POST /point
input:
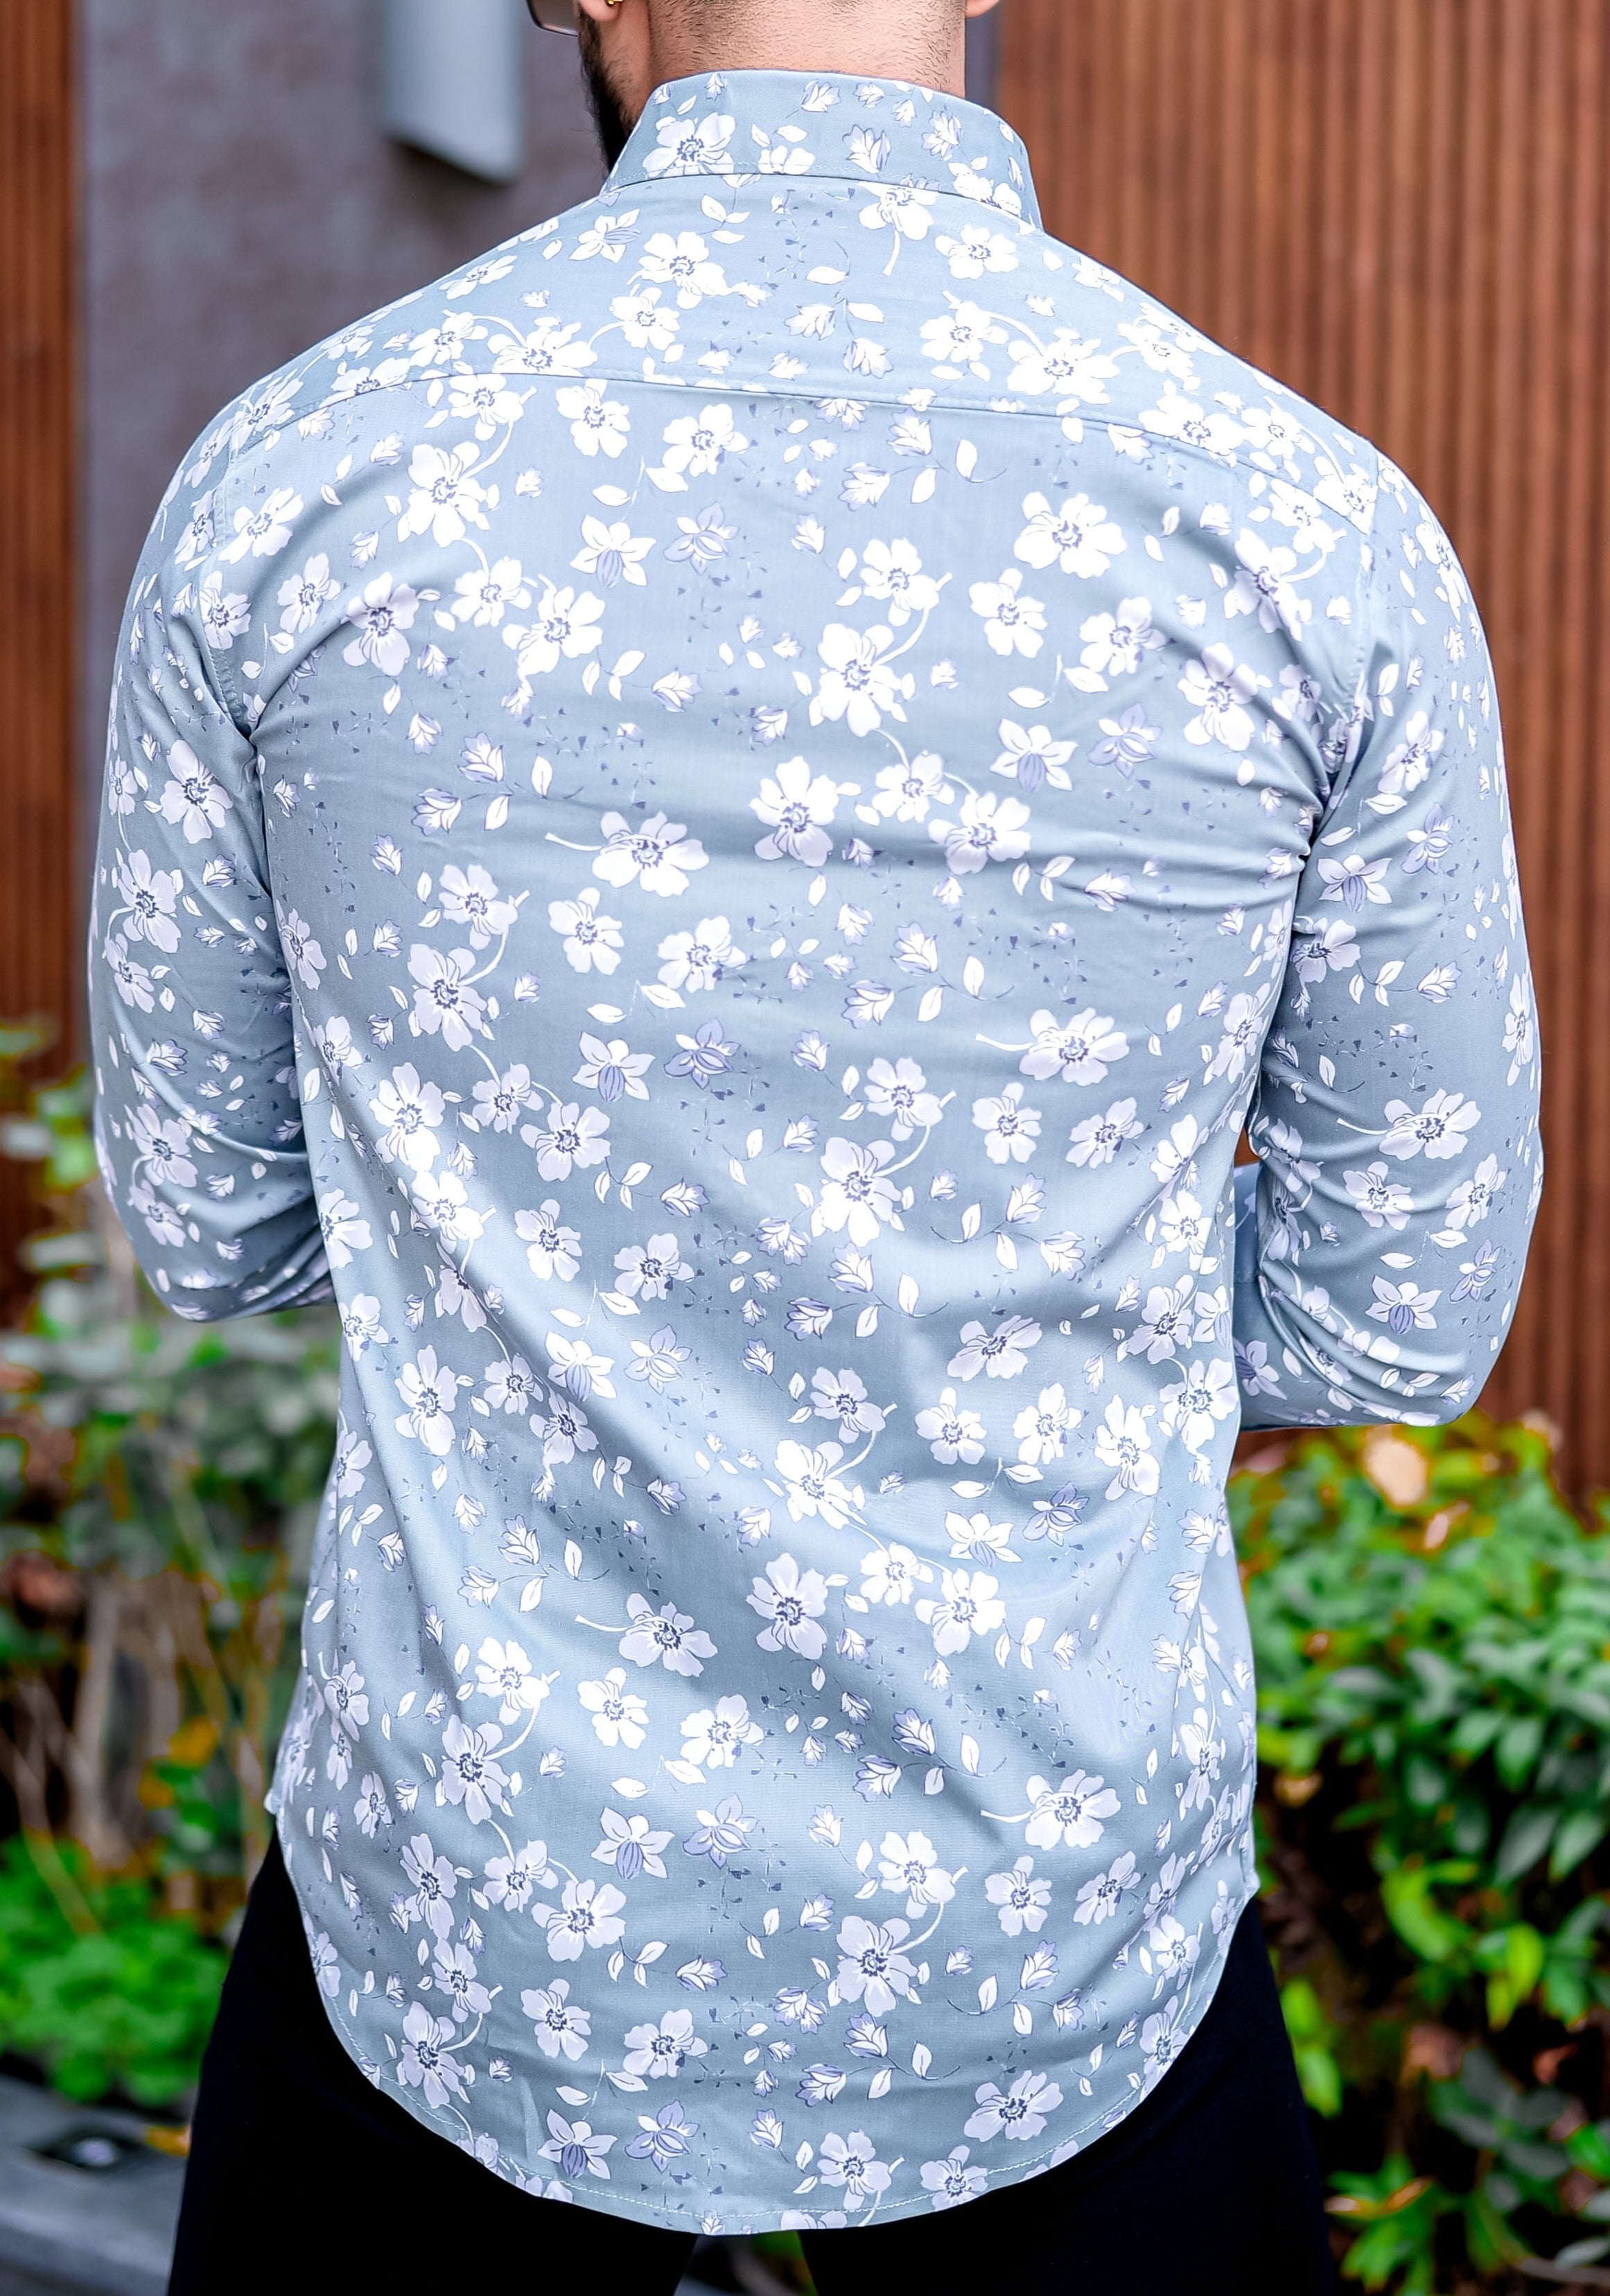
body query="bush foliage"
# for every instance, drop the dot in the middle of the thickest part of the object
(1432, 1623)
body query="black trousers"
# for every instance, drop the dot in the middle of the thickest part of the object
(301, 2173)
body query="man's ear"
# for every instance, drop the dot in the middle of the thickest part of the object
(604, 12)
(980, 8)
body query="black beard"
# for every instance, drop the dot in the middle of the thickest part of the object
(614, 129)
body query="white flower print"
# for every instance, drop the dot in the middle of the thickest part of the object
(443, 998)
(858, 683)
(873, 1969)
(445, 501)
(484, 596)
(1011, 1131)
(700, 959)
(1079, 1051)
(1022, 1899)
(472, 1776)
(906, 209)
(192, 799)
(991, 828)
(587, 1917)
(891, 574)
(562, 2029)
(858, 1198)
(655, 855)
(646, 1271)
(1218, 688)
(592, 942)
(966, 1605)
(892, 1574)
(906, 792)
(553, 1248)
(409, 1113)
(714, 1737)
(1098, 1139)
(851, 2164)
(429, 1392)
(682, 260)
(620, 1717)
(471, 899)
(1123, 1443)
(909, 1862)
(952, 2181)
(1116, 644)
(152, 896)
(1382, 1201)
(1439, 1126)
(505, 1673)
(424, 2062)
(1078, 537)
(660, 2051)
(566, 627)
(1264, 587)
(1019, 2114)
(952, 1431)
(1071, 1812)
(1042, 1428)
(697, 444)
(572, 1138)
(686, 147)
(263, 532)
(382, 615)
(796, 806)
(667, 1635)
(1013, 624)
(344, 1231)
(898, 1093)
(575, 2149)
(613, 553)
(791, 1602)
(1000, 1350)
(599, 425)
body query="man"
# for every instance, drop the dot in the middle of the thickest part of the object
(717, 824)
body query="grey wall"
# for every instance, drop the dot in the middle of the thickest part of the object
(239, 203)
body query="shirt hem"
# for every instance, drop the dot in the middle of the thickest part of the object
(719, 2211)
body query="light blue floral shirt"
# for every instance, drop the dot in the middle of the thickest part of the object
(717, 824)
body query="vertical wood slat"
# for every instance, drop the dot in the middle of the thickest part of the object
(38, 603)
(1402, 209)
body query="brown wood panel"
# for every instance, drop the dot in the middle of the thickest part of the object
(38, 424)
(1402, 209)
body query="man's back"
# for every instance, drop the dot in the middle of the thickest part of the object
(771, 765)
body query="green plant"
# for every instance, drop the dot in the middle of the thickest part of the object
(159, 1486)
(119, 1999)
(1432, 1624)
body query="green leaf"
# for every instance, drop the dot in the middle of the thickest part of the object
(1580, 1831)
(1590, 2151)
(1417, 1917)
(1526, 1838)
(1518, 1748)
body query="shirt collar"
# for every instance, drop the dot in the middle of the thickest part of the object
(827, 126)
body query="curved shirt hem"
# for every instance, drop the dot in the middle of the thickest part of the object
(717, 2217)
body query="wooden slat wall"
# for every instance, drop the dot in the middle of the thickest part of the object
(39, 602)
(1401, 208)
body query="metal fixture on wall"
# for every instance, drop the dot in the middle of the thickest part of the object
(453, 82)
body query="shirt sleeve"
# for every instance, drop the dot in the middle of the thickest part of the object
(1382, 1235)
(198, 1123)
